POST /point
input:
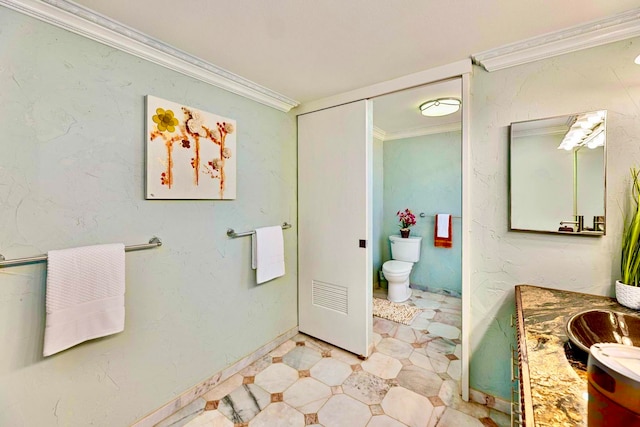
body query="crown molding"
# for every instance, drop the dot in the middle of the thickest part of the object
(87, 23)
(379, 133)
(427, 130)
(595, 33)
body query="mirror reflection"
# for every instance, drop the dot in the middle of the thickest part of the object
(557, 174)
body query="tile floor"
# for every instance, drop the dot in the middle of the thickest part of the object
(411, 379)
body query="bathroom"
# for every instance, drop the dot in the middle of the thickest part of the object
(71, 174)
(418, 165)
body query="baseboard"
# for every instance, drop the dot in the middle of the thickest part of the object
(490, 401)
(198, 390)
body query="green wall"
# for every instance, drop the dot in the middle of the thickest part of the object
(72, 174)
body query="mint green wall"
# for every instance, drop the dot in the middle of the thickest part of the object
(378, 203)
(424, 174)
(604, 77)
(72, 174)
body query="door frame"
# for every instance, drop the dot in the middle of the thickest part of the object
(461, 69)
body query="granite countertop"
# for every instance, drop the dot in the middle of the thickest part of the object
(558, 382)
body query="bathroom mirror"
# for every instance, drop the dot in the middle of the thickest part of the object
(557, 174)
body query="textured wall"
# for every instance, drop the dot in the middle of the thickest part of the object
(424, 174)
(72, 174)
(600, 78)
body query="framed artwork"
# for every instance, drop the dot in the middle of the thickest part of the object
(191, 154)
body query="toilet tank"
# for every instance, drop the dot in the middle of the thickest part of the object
(405, 249)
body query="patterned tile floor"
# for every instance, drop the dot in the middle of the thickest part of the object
(411, 379)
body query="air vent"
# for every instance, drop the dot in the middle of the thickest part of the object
(330, 296)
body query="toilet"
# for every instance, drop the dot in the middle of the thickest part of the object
(404, 252)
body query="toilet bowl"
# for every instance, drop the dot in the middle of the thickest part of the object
(404, 253)
(397, 274)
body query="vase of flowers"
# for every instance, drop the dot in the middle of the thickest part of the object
(627, 288)
(407, 219)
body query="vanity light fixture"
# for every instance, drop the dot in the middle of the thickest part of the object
(440, 107)
(587, 130)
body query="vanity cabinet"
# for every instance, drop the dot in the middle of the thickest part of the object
(548, 388)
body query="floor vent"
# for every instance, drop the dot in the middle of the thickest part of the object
(330, 296)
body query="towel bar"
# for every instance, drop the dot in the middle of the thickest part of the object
(232, 234)
(423, 215)
(153, 243)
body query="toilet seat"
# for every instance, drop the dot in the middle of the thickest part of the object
(397, 267)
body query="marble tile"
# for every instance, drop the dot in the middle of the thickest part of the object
(448, 319)
(307, 395)
(421, 381)
(395, 348)
(440, 345)
(365, 387)
(453, 418)
(331, 371)
(453, 301)
(445, 331)
(436, 415)
(244, 403)
(302, 357)
(427, 314)
(450, 395)
(278, 415)
(420, 360)
(455, 369)
(283, 349)
(345, 356)
(210, 419)
(427, 303)
(184, 415)
(458, 351)
(439, 362)
(376, 339)
(406, 334)
(384, 421)
(344, 411)
(383, 326)
(408, 407)
(256, 366)
(224, 388)
(420, 323)
(381, 365)
(276, 378)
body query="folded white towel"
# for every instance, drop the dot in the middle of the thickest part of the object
(443, 225)
(267, 253)
(85, 295)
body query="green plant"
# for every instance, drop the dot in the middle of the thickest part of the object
(630, 265)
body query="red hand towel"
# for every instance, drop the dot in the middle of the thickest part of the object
(442, 242)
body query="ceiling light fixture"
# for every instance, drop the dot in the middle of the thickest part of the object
(440, 107)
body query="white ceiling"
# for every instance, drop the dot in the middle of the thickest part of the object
(309, 50)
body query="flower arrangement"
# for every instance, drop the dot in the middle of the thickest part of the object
(407, 219)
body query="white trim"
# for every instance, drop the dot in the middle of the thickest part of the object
(428, 130)
(552, 130)
(595, 33)
(432, 75)
(467, 173)
(85, 22)
(379, 133)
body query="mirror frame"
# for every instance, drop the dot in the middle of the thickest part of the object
(587, 233)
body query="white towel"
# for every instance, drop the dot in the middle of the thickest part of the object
(443, 225)
(85, 295)
(267, 253)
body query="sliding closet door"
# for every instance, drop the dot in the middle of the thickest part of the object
(334, 225)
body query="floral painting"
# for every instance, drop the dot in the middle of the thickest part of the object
(191, 154)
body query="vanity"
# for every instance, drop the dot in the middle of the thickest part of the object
(549, 379)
